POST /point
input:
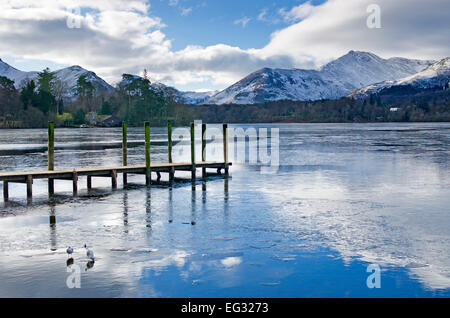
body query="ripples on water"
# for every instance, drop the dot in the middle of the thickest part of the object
(344, 196)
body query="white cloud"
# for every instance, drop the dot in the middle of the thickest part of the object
(186, 11)
(410, 28)
(299, 12)
(243, 21)
(119, 36)
(262, 15)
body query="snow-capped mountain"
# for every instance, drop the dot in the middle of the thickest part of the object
(436, 75)
(197, 97)
(334, 80)
(69, 76)
(14, 74)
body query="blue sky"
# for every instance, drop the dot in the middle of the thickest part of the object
(210, 44)
(206, 22)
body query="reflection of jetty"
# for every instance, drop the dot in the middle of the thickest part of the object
(112, 172)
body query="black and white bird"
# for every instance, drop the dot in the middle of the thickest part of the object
(89, 253)
(69, 251)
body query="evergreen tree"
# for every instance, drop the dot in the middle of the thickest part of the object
(28, 95)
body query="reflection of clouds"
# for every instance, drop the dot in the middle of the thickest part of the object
(231, 261)
(394, 217)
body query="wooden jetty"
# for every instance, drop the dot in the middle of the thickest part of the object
(112, 172)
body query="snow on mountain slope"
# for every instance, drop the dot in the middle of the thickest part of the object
(332, 81)
(436, 75)
(197, 97)
(19, 77)
(69, 76)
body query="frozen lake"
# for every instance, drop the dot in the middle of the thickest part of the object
(343, 197)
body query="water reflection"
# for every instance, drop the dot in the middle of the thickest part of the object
(148, 211)
(52, 221)
(125, 211)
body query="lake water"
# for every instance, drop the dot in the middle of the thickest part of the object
(343, 197)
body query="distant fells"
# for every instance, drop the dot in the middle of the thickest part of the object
(336, 79)
(356, 74)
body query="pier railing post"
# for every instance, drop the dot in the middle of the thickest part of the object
(193, 150)
(203, 149)
(51, 156)
(5, 191)
(225, 147)
(148, 179)
(124, 151)
(169, 146)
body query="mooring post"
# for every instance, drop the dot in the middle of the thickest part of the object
(75, 182)
(203, 149)
(5, 191)
(89, 182)
(124, 151)
(114, 179)
(51, 156)
(169, 143)
(148, 175)
(29, 182)
(225, 147)
(193, 151)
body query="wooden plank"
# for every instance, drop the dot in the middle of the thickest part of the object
(20, 177)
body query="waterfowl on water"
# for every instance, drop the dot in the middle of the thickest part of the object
(69, 251)
(89, 253)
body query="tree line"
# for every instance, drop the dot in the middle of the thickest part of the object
(135, 101)
(49, 99)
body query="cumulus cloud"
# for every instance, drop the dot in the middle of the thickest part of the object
(410, 28)
(298, 12)
(118, 36)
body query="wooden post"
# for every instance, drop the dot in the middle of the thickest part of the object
(169, 143)
(193, 151)
(75, 182)
(114, 179)
(124, 151)
(225, 147)
(5, 191)
(89, 182)
(51, 156)
(29, 182)
(203, 149)
(148, 175)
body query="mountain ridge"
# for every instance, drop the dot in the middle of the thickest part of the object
(334, 80)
